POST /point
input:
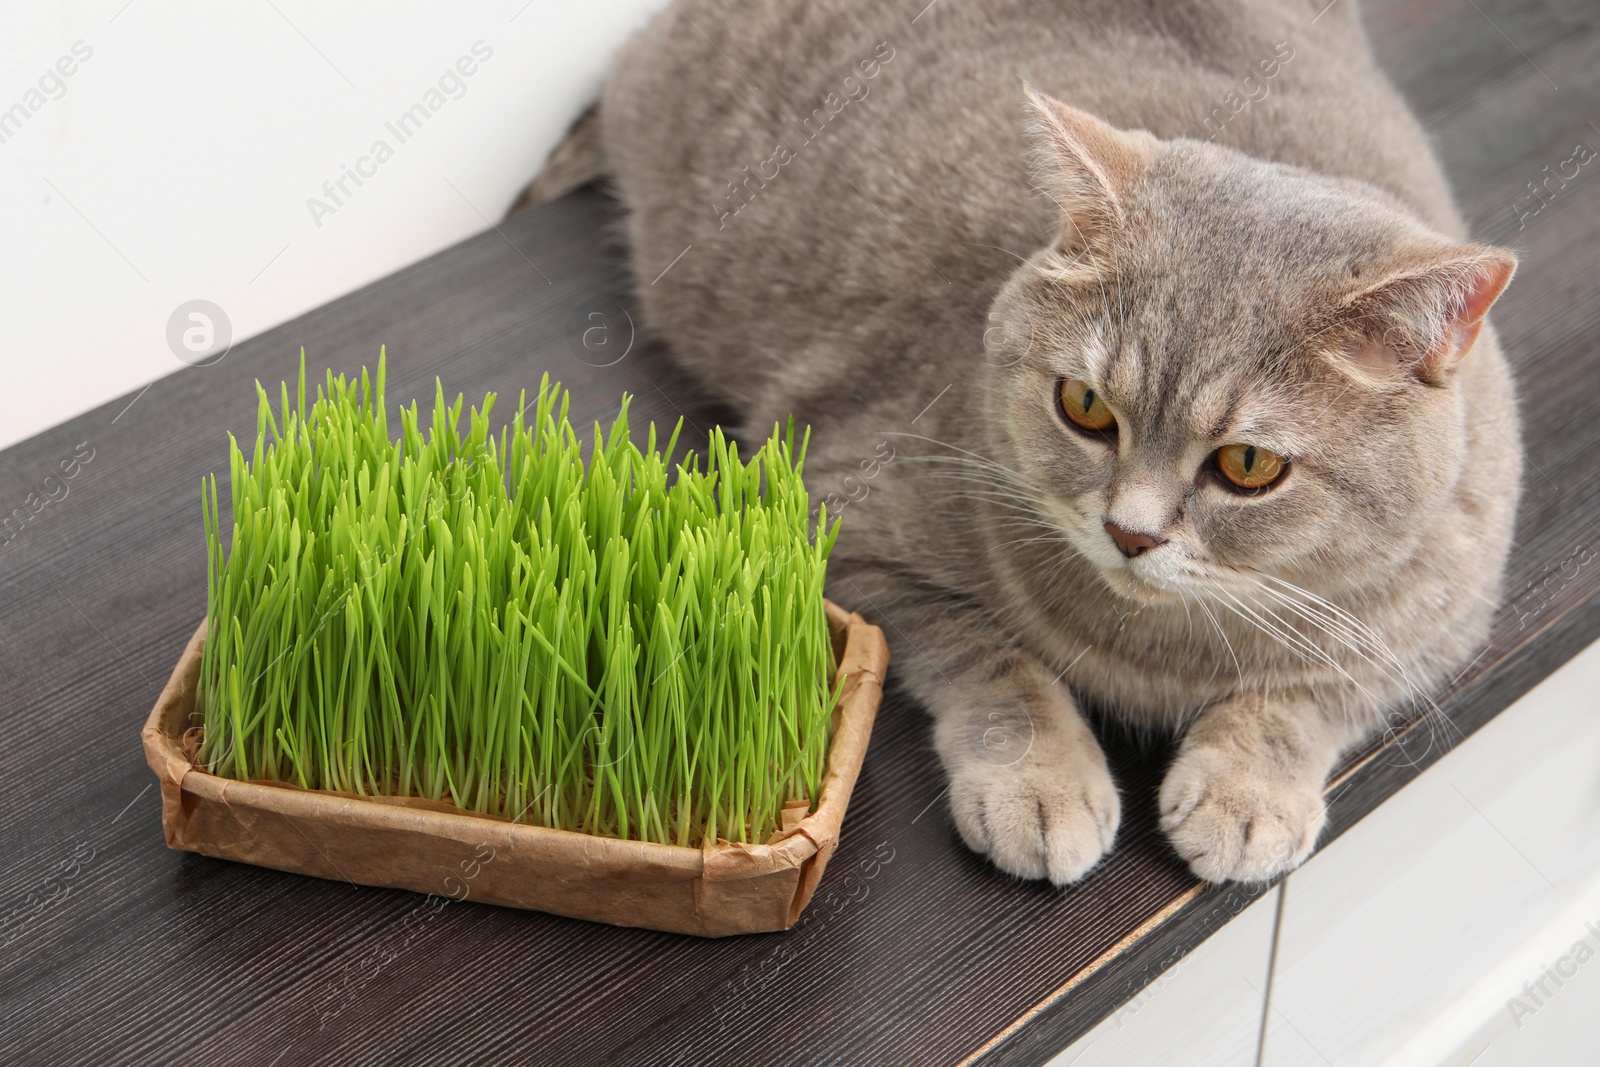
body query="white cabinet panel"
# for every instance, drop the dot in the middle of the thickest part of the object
(1542, 1002)
(1402, 940)
(1203, 1012)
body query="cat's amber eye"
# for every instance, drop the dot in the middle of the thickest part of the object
(1081, 404)
(1249, 466)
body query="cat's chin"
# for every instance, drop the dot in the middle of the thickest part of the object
(1128, 583)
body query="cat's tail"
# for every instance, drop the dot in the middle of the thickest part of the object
(576, 161)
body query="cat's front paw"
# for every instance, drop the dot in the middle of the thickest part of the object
(1037, 819)
(1233, 820)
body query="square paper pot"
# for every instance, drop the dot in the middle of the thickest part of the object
(436, 848)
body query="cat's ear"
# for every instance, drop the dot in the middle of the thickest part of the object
(1086, 165)
(1425, 318)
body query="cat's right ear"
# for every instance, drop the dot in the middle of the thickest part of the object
(1426, 316)
(1086, 165)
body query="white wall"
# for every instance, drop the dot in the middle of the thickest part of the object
(176, 161)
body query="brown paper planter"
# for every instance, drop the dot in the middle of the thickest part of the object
(436, 848)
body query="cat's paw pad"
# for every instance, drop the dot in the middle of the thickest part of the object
(1037, 821)
(1232, 821)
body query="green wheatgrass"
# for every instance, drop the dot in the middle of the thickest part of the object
(617, 646)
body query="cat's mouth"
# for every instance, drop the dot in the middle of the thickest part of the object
(1169, 573)
(1172, 574)
(1150, 577)
(1166, 574)
(1153, 577)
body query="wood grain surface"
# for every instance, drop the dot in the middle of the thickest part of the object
(114, 949)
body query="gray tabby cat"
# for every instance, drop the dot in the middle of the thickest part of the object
(1163, 385)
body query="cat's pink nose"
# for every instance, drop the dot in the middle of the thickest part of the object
(1131, 543)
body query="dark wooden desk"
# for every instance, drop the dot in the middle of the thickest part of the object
(118, 950)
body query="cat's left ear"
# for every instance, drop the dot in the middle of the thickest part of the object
(1426, 318)
(1087, 166)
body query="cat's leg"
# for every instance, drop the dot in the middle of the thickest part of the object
(1028, 783)
(1243, 799)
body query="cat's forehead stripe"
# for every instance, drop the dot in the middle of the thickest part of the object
(1277, 417)
(1096, 357)
(1202, 399)
(1223, 421)
(1209, 406)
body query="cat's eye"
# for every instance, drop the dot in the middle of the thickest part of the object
(1084, 408)
(1249, 466)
